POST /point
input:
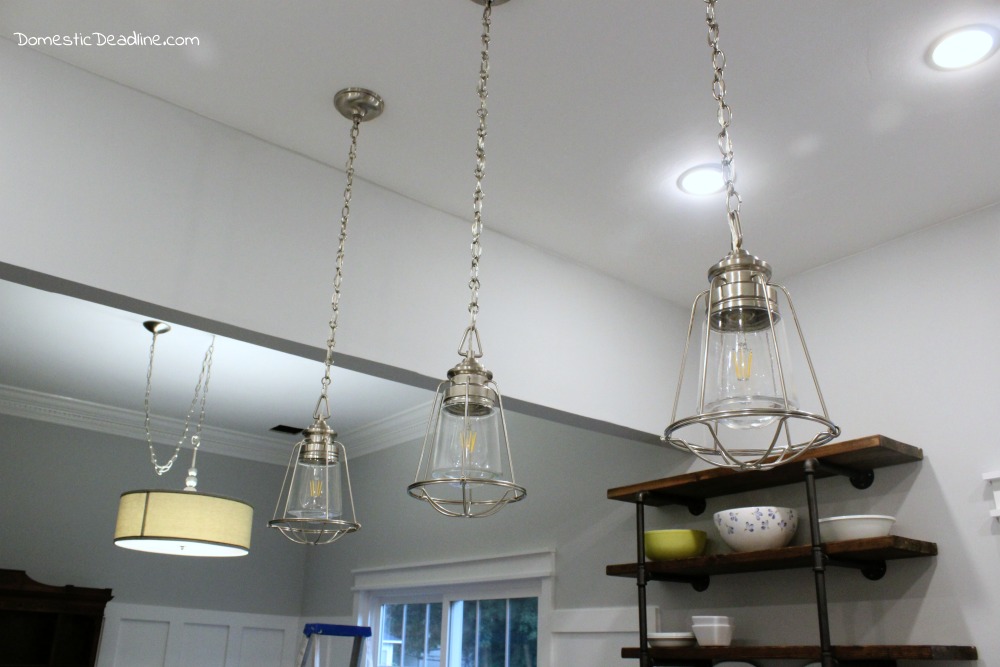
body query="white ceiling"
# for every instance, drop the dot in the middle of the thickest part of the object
(844, 138)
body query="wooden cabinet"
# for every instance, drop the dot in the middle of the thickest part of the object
(854, 459)
(49, 626)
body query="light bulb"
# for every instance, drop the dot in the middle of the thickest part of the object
(742, 360)
(742, 373)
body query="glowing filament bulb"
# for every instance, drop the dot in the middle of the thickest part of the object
(742, 358)
(468, 440)
(315, 488)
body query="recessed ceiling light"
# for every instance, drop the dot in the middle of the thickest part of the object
(705, 179)
(964, 47)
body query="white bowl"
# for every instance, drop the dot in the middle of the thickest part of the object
(668, 639)
(711, 620)
(757, 528)
(713, 635)
(854, 527)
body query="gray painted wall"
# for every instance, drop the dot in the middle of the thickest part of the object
(59, 489)
(567, 472)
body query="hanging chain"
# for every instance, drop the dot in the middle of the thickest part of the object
(471, 336)
(733, 200)
(200, 396)
(323, 405)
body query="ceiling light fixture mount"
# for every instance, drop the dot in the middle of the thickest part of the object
(465, 467)
(358, 102)
(745, 381)
(311, 508)
(182, 523)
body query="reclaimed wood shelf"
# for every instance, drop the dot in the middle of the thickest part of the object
(875, 451)
(858, 552)
(879, 655)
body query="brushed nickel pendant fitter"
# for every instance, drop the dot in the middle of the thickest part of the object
(465, 467)
(311, 508)
(746, 413)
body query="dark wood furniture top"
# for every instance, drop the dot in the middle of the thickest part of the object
(49, 626)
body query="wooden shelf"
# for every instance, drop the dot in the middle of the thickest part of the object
(857, 655)
(876, 451)
(875, 549)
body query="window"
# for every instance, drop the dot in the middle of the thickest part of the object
(498, 632)
(410, 635)
(489, 613)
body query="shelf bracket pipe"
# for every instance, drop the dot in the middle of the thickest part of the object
(641, 577)
(819, 566)
(860, 478)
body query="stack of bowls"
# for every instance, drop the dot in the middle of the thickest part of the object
(712, 630)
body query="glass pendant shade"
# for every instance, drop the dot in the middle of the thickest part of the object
(745, 411)
(183, 523)
(465, 466)
(310, 509)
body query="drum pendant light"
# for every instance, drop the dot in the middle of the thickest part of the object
(182, 523)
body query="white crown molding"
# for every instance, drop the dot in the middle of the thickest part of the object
(385, 433)
(397, 429)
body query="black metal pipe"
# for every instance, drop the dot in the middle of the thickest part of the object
(640, 576)
(819, 566)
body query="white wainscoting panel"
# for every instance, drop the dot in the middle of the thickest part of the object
(595, 636)
(204, 644)
(141, 643)
(262, 647)
(151, 636)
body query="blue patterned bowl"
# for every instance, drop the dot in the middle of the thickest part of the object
(757, 528)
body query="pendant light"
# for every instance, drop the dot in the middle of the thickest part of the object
(182, 523)
(465, 467)
(746, 409)
(311, 508)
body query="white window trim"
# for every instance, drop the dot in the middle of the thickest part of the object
(515, 575)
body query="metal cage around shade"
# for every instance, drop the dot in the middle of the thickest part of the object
(465, 467)
(742, 302)
(311, 508)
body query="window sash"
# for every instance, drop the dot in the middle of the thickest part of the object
(501, 577)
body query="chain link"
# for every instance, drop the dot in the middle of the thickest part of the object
(200, 396)
(480, 172)
(323, 405)
(725, 117)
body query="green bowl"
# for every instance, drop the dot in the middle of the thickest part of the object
(674, 544)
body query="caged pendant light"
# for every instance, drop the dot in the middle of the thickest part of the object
(465, 467)
(182, 523)
(746, 409)
(311, 507)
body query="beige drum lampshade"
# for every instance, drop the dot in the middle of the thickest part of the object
(183, 523)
